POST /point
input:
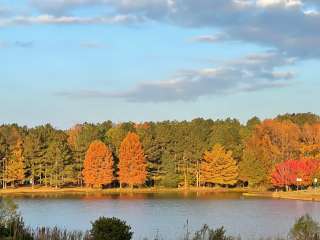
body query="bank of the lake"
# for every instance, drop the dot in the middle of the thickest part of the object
(81, 190)
(305, 195)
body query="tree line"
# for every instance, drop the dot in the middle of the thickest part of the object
(202, 152)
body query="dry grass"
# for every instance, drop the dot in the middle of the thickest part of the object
(306, 195)
(74, 190)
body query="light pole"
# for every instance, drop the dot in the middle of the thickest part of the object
(315, 181)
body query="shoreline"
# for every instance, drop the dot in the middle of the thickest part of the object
(303, 195)
(79, 190)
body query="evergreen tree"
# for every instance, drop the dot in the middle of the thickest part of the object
(152, 150)
(35, 152)
(60, 164)
(171, 178)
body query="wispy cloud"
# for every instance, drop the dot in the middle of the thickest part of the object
(285, 25)
(210, 38)
(68, 20)
(60, 7)
(18, 44)
(24, 44)
(252, 73)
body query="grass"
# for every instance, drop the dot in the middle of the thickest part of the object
(306, 195)
(80, 190)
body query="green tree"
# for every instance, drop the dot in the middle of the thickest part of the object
(171, 178)
(252, 170)
(60, 164)
(35, 153)
(115, 136)
(299, 118)
(305, 228)
(228, 134)
(110, 229)
(152, 150)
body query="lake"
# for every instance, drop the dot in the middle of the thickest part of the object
(167, 214)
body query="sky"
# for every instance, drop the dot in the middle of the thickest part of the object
(70, 61)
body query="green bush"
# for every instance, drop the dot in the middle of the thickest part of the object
(209, 234)
(110, 229)
(305, 228)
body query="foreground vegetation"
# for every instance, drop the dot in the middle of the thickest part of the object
(273, 153)
(12, 227)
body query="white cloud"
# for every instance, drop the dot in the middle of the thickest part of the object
(68, 20)
(272, 3)
(252, 73)
(290, 26)
(210, 38)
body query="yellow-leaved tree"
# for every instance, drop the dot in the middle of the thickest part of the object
(15, 167)
(218, 167)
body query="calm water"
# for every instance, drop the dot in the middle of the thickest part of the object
(168, 213)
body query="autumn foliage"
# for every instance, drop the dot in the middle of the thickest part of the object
(98, 165)
(132, 164)
(287, 173)
(219, 167)
(15, 166)
(166, 154)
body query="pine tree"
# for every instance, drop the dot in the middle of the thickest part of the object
(98, 165)
(60, 165)
(219, 167)
(132, 164)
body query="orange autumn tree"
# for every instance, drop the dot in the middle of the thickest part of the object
(132, 164)
(98, 165)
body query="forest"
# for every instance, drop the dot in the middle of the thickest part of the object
(283, 152)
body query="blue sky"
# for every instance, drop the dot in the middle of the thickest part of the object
(70, 61)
